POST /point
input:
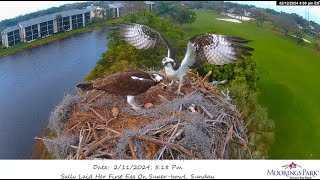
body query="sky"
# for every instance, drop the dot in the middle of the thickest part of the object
(11, 9)
(314, 11)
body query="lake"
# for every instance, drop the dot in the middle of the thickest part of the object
(34, 81)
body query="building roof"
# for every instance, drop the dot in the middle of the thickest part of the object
(53, 16)
(149, 2)
(116, 5)
(9, 29)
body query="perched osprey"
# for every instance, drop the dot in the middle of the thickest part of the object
(129, 83)
(213, 48)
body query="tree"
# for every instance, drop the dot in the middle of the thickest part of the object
(176, 12)
(260, 16)
(272, 12)
(317, 41)
(284, 22)
(299, 35)
(239, 12)
(183, 15)
(260, 129)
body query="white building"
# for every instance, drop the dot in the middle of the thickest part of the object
(150, 5)
(47, 25)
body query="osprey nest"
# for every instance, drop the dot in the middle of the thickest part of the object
(199, 125)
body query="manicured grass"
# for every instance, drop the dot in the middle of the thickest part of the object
(54, 37)
(289, 84)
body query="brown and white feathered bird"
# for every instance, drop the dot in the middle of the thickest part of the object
(129, 83)
(216, 49)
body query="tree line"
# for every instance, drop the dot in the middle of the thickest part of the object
(285, 22)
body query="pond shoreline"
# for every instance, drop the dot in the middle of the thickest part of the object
(55, 37)
(34, 81)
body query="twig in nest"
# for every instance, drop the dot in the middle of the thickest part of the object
(75, 126)
(204, 79)
(89, 133)
(80, 143)
(95, 136)
(228, 138)
(211, 88)
(99, 115)
(177, 135)
(131, 146)
(96, 97)
(88, 94)
(148, 130)
(164, 99)
(176, 146)
(169, 140)
(103, 154)
(97, 145)
(206, 112)
(111, 120)
(114, 131)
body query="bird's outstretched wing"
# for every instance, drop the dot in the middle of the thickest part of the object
(215, 49)
(141, 36)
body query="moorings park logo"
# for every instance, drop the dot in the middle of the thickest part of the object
(294, 170)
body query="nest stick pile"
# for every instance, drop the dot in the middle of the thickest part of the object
(198, 125)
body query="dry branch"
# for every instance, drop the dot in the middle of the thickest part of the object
(176, 146)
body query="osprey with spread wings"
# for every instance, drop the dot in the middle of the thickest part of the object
(213, 48)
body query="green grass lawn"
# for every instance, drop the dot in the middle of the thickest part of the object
(289, 84)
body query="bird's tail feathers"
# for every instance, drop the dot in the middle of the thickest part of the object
(85, 86)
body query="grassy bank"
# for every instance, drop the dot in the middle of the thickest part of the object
(289, 84)
(23, 46)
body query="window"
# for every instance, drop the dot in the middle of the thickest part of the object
(44, 28)
(11, 43)
(10, 38)
(59, 24)
(35, 26)
(16, 36)
(50, 31)
(50, 26)
(29, 38)
(43, 24)
(66, 27)
(74, 25)
(35, 36)
(87, 17)
(35, 31)
(28, 33)
(28, 28)
(13, 37)
(44, 33)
